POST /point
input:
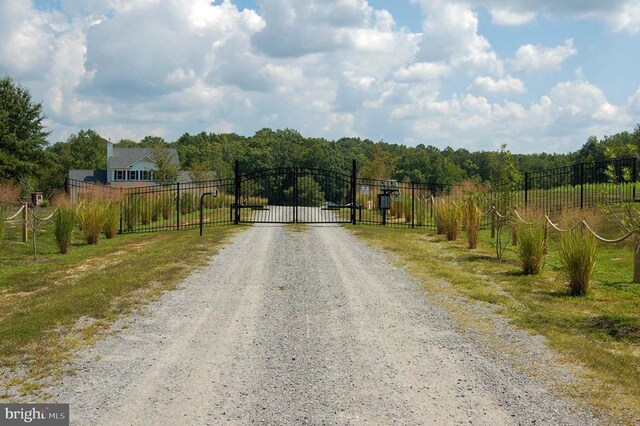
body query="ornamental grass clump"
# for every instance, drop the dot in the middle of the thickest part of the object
(91, 217)
(165, 204)
(4, 213)
(472, 218)
(531, 248)
(187, 203)
(452, 219)
(64, 224)
(132, 212)
(112, 219)
(146, 210)
(577, 257)
(439, 217)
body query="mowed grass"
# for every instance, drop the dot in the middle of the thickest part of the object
(599, 332)
(55, 303)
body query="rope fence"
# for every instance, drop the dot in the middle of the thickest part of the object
(16, 214)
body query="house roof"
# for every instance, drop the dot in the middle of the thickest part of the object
(123, 158)
(89, 176)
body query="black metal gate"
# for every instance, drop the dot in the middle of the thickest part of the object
(294, 195)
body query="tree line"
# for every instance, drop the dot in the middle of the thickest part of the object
(28, 158)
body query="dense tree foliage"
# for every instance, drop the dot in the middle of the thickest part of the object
(24, 155)
(22, 134)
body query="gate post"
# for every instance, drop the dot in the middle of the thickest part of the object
(353, 192)
(236, 218)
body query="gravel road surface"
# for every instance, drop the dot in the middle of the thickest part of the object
(310, 327)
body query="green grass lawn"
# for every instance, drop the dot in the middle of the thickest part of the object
(52, 304)
(599, 332)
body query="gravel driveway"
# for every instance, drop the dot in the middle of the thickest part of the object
(308, 327)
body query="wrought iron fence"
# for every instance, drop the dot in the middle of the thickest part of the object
(580, 185)
(314, 195)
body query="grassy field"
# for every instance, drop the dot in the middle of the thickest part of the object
(600, 333)
(56, 303)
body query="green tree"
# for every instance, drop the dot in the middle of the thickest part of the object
(166, 169)
(22, 134)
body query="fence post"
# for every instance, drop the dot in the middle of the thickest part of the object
(236, 216)
(581, 185)
(353, 191)
(413, 204)
(178, 206)
(25, 222)
(526, 189)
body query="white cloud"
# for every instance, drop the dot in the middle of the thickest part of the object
(423, 71)
(627, 18)
(511, 18)
(530, 58)
(505, 86)
(331, 69)
(450, 35)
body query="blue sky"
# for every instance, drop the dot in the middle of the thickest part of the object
(538, 75)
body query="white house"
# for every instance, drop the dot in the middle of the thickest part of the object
(128, 167)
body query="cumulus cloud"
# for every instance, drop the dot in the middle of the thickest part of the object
(450, 34)
(505, 86)
(530, 58)
(511, 18)
(331, 69)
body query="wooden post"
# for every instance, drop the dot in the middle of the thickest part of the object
(25, 222)
(636, 260)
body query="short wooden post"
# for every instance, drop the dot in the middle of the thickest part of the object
(636, 259)
(25, 223)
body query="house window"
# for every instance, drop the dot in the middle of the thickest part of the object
(118, 175)
(146, 175)
(133, 175)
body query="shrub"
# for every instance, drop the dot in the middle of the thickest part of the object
(577, 257)
(64, 223)
(91, 217)
(531, 248)
(112, 219)
(472, 218)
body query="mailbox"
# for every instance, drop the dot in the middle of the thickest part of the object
(384, 201)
